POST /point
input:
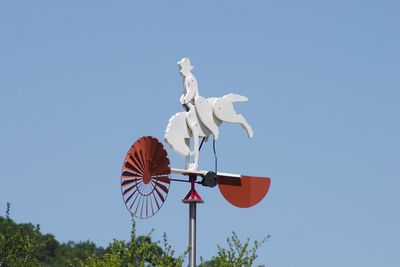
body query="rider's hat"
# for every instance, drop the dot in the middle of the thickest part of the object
(185, 63)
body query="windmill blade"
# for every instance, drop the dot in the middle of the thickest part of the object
(145, 177)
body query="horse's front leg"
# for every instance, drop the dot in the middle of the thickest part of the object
(193, 166)
(188, 156)
(192, 123)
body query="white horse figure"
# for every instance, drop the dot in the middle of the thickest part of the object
(201, 118)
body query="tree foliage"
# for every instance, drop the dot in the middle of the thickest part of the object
(25, 245)
(138, 252)
(18, 243)
(237, 254)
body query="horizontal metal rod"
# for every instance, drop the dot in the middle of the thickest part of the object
(203, 173)
(186, 181)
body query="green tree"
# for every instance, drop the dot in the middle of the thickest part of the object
(138, 252)
(25, 245)
(19, 244)
(56, 254)
(238, 254)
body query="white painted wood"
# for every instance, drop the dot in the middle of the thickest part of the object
(201, 118)
(190, 86)
(204, 110)
(177, 134)
(224, 111)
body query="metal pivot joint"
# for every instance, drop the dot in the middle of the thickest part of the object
(210, 179)
(192, 198)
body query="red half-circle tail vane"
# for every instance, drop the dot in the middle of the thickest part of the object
(245, 191)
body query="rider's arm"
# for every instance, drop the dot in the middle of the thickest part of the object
(191, 88)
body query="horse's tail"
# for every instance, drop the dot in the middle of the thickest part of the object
(176, 133)
(235, 98)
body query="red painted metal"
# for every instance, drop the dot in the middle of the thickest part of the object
(145, 177)
(244, 192)
(192, 196)
(145, 181)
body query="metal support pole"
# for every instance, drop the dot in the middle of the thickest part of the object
(192, 234)
(192, 198)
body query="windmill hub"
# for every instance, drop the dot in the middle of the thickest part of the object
(146, 176)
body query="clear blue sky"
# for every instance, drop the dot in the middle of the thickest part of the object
(81, 80)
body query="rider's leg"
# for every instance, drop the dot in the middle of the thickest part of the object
(204, 111)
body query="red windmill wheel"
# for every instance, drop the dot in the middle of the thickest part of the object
(145, 177)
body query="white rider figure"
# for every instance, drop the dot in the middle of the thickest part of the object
(190, 87)
(191, 100)
(201, 118)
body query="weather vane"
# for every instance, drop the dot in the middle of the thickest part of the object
(146, 171)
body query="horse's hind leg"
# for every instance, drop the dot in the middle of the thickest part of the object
(240, 119)
(223, 110)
